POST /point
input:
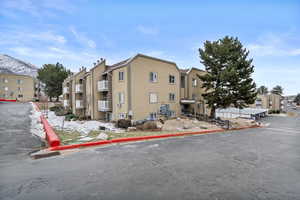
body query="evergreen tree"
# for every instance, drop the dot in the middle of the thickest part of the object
(297, 99)
(228, 79)
(262, 90)
(277, 90)
(53, 75)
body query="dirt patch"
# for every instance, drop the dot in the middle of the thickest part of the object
(186, 124)
(292, 114)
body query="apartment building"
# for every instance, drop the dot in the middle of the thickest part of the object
(18, 87)
(269, 101)
(191, 99)
(137, 88)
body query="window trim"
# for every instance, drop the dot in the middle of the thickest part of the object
(170, 75)
(150, 98)
(194, 80)
(121, 100)
(174, 99)
(154, 81)
(121, 72)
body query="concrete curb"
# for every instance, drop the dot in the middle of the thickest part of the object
(141, 138)
(8, 100)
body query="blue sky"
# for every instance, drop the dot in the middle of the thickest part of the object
(78, 32)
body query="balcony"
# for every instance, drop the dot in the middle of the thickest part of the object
(103, 85)
(66, 90)
(104, 105)
(66, 103)
(78, 88)
(78, 104)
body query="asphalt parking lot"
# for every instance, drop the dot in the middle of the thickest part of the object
(262, 163)
(15, 137)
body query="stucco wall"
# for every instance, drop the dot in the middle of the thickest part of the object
(25, 87)
(141, 86)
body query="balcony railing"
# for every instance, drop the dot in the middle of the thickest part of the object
(102, 85)
(78, 88)
(66, 90)
(79, 104)
(104, 105)
(66, 103)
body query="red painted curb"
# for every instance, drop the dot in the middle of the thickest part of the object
(131, 139)
(140, 138)
(51, 137)
(8, 100)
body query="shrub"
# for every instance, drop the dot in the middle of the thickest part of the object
(123, 123)
(70, 116)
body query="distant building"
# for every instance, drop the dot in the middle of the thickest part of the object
(269, 101)
(18, 87)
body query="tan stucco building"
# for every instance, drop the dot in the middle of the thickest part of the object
(191, 91)
(268, 101)
(141, 87)
(17, 87)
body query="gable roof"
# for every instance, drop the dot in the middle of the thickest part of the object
(129, 60)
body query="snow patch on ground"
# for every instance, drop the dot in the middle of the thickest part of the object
(36, 125)
(83, 127)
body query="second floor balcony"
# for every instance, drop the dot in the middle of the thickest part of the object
(79, 104)
(78, 88)
(103, 85)
(66, 90)
(66, 103)
(104, 105)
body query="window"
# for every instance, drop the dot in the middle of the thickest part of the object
(182, 81)
(121, 98)
(19, 81)
(19, 89)
(194, 82)
(153, 98)
(20, 96)
(152, 116)
(193, 96)
(171, 97)
(121, 76)
(153, 77)
(171, 79)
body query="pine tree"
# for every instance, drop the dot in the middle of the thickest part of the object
(53, 75)
(297, 99)
(277, 90)
(262, 90)
(228, 79)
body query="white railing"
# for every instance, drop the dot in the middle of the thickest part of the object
(66, 103)
(103, 105)
(103, 85)
(79, 104)
(66, 90)
(78, 88)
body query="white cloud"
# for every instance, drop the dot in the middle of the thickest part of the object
(147, 30)
(36, 8)
(274, 45)
(82, 38)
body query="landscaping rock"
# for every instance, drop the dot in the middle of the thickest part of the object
(102, 136)
(131, 129)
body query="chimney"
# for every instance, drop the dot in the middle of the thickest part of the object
(94, 64)
(98, 61)
(101, 59)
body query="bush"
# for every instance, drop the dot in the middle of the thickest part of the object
(70, 116)
(123, 123)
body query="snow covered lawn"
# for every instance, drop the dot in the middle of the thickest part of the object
(36, 126)
(82, 127)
